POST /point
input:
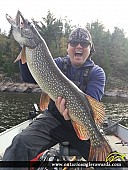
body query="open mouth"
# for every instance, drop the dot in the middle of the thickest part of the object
(18, 21)
(78, 53)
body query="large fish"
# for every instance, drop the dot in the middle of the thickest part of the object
(54, 83)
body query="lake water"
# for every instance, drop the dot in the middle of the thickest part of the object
(14, 108)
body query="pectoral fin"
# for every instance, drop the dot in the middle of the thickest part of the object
(98, 110)
(44, 101)
(81, 131)
(18, 58)
(23, 55)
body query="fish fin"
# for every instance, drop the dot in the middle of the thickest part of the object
(80, 130)
(23, 55)
(101, 152)
(18, 58)
(98, 109)
(44, 101)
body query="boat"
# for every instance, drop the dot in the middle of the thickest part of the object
(115, 133)
(7, 136)
(117, 136)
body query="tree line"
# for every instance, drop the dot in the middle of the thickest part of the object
(111, 48)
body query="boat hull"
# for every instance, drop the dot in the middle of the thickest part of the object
(117, 137)
(7, 136)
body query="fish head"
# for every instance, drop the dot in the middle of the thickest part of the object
(23, 31)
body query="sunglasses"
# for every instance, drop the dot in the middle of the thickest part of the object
(83, 44)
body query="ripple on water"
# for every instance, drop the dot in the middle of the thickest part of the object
(14, 108)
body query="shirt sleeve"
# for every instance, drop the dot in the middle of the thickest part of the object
(58, 61)
(96, 85)
(25, 73)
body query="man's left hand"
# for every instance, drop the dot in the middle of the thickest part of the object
(60, 104)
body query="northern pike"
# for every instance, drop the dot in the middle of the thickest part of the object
(54, 83)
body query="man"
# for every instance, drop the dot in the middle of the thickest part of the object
(54, 125)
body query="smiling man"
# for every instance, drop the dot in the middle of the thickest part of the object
(79, 67)
(54, 124)
(79, 46)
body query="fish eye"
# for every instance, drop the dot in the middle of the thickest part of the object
(21, 23)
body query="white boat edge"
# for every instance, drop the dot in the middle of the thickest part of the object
(118, 134)
(7, 136)
(120, 131)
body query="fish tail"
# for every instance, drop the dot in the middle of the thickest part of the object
(100, 152)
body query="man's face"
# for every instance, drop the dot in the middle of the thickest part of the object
(78, 52)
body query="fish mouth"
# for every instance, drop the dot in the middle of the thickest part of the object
(11, 20)
(21, 27)
(19, 20)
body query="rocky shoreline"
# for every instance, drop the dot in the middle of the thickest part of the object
(117, 93)
(19, 87)
(32, 88)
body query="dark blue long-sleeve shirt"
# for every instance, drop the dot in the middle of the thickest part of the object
(95, 86)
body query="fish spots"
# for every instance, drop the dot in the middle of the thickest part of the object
(52, 81)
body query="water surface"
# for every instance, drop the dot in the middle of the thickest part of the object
(14, 108)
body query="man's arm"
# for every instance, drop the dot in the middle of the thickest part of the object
(25, 73)
(96, 84)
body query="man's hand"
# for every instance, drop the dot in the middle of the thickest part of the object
(60, 104)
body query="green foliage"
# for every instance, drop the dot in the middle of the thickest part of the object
(9, 49)
(111, 48)
(55, 32)
(8, 68)
(111, 53)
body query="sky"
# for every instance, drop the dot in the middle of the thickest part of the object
(110, 13)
